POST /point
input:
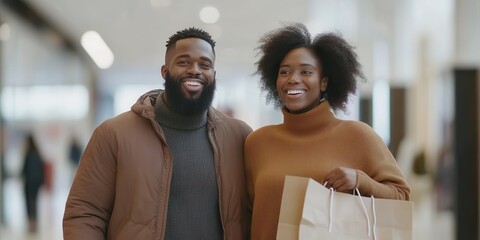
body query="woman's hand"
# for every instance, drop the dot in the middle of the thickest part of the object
(341, 179)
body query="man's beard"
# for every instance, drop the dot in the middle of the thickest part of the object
(183, 105)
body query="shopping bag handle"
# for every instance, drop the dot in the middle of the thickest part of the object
(364, 211)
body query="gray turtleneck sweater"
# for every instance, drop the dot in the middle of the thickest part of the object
(193, 210)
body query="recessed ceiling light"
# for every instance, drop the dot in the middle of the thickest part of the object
(209, 14)
(97, 49)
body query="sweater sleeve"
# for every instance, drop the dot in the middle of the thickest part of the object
(91, 197)
(380, 176)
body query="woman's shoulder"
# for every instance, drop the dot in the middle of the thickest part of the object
(267, 129)
(354, 127)
(264, 132)
(354, 124)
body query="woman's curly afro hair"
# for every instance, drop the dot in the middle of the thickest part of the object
(337, 58)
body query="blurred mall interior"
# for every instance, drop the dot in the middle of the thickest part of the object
(421, 59)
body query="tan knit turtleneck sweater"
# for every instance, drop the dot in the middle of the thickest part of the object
(312, 144)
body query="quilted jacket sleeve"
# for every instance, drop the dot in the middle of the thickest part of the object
(91, 197)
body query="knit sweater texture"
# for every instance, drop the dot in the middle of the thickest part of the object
(312, 144)
(193, 210)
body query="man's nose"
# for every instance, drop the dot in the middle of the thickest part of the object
(194, 69)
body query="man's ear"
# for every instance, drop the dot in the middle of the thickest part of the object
(164, 71)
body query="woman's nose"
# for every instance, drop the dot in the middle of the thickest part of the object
(293, 79)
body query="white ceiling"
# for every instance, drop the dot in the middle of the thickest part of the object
(136, 30)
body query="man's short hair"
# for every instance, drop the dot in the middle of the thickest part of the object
(191, 32)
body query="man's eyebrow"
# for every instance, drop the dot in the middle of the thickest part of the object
(201, 58)
(183, 56)
(206, 59)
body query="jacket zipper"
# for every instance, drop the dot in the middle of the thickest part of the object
(164, 172)
(213, 141)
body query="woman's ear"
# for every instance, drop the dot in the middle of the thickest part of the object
(324, 84)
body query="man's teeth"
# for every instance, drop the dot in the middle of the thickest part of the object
(193, 83)
(295, 92)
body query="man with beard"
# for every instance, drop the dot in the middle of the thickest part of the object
(171, 167)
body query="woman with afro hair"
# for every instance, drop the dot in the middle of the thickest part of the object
(310, 80)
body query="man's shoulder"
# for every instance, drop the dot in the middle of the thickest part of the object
(122, 118)
(121, 121)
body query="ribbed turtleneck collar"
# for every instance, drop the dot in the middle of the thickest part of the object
(318, 118)
(169, 118)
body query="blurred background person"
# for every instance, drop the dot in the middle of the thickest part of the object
(75, 152)
(33, 174)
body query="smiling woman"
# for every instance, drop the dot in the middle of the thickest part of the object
(301, 66)
(309, 80)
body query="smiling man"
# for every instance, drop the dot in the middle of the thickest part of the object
(172, 167)
(189, 75)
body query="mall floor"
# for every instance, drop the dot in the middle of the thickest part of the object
(51, 205)
(427, 223)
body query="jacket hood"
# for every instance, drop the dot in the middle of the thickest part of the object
(145, 103)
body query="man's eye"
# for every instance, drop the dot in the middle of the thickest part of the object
(206, 66)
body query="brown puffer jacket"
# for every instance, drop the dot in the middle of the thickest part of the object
(122, 185)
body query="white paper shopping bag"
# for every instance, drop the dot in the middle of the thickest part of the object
(326, 214)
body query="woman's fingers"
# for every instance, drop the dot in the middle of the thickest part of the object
(341, 179)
